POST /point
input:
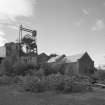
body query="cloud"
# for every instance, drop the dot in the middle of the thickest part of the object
(99, 59)
(85, 11)
(13, 27)
(11, 9)
(99, 25)
(2, 39)
(2, 33)
(78, 23)
(103, 4)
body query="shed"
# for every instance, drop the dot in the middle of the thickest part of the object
(77, 64)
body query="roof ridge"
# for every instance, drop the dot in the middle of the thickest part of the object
(73, 58)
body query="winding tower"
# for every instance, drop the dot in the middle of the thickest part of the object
(27, 44)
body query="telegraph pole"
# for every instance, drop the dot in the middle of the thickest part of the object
(20, 38)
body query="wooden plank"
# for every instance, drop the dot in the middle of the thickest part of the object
(98, 84)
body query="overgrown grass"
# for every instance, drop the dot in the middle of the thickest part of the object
(41, 79)
(9, 96)
(54, 82)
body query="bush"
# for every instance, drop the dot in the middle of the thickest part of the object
(22, 68)
(6, 66)
(13, 66)
(47, 69)
(99, 75)
(55, 82)
(67, 84)
(19, 68)
(54, 69)
(39, 73)
(32, 84)
(36, 84)
(76, 84)
(6, 80)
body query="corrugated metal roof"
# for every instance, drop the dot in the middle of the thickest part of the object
(73, 58)
(66, 59)
(2, 51)
(55, 59)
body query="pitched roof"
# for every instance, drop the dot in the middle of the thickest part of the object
(66, 59)
(56, 58)
(73, 58)
(2, 51)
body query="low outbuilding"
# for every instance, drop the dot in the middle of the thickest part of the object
(77, 64)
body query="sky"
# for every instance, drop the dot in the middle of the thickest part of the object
(63, 26)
